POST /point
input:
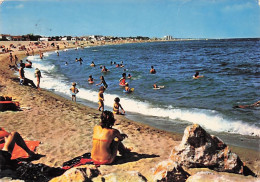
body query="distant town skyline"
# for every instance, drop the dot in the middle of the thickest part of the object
(125, 18)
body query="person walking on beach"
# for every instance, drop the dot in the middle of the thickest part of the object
(11, 57)
(15, 60)
(117, 106)
(152, 70)
(74, 91)
(103, 82)
(101, 98)
(38, 77)
(107, 140)
(23, 79)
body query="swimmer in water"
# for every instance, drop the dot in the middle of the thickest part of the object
(90, 79)
(196, 76)
(152, 70)
(256, 104)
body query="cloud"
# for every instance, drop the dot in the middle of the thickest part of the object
(259, 2)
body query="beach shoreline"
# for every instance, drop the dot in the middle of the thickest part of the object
(65, 128)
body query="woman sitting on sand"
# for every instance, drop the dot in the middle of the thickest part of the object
(107, 140)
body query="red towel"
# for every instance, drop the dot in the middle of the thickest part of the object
(18, 152)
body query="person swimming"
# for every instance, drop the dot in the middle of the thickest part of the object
(92, 64)
(90, 79)
(122, 80)
(129, 76)
(104, 69)
(152, 70)
(196, 76)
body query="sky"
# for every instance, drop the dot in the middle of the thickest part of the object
(123, 18)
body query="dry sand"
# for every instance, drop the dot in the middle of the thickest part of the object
(65, 128)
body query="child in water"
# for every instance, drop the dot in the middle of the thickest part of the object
(101, 98)
(127, 88)
(117, 106)
(74, 91)
(90, 79)
(129, 76)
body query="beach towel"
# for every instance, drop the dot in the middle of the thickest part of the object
(18, 152)
(78, 161)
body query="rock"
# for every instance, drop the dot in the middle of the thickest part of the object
(200, 149)
(214, 176)
(128, 176)
(169, 171)
(82, 173)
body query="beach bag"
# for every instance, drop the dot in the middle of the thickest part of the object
(5, 160)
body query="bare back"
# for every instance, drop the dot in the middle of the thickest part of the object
(102, 140)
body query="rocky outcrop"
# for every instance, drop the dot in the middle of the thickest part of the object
(79, 174)
(206, 176)
(169, 171)
(128, 176)
(200, 149)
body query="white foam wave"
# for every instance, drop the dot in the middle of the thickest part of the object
(209, 119)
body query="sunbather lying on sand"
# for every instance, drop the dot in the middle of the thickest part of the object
(107, 141)
(8, 141)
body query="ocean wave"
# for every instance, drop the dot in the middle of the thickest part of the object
(209, 119)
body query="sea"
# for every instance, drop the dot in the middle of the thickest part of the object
(231, 70)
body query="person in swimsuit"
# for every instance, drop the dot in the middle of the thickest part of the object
(196, 76)
(107, 140)
(101, 98)
(92, 64)
(122, 80)
(38, 76)
(256, 104)
(7, 143)
(74, 91)
(90, 79)
(23, 80)
(103, 82)
(127, 88)
(117, 106)
(104, 69)
(152, 70)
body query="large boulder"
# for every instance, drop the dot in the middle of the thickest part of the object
(79, 174)
(206, 176)
(200, 149)
(128, 176)
(169, 171)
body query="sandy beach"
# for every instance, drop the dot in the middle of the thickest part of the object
(64, 128)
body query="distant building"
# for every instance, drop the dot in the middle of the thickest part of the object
(168, 37)
(44, 39)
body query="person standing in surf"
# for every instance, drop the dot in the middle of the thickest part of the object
(74, 91)
(103, 82)
(152, 70)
